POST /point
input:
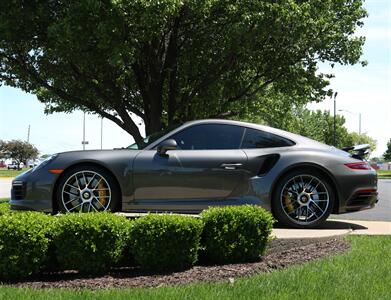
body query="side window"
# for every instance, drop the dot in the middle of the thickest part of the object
(209, 136)
(260, 139)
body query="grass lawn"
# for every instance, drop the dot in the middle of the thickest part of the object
(384, 173)
(4, 172)
(362, 273)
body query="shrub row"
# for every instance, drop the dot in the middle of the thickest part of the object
(95, 242)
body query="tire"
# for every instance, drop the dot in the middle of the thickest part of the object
(303, 199)
(87, 188)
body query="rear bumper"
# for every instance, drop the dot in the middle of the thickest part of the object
(357, 192)
(361, 200)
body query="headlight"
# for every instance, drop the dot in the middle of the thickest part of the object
(44, 162)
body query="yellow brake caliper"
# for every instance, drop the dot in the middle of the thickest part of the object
(102, 193)
(288, 202)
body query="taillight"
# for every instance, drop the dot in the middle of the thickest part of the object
(359, 166)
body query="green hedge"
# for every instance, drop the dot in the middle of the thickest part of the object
(236, 233)
(165, 242)
(4, 208)
(24, 243)
(93, 243)
(90, 243)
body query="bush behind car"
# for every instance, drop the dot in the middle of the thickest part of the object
(95, 242)
(90, 243)
(24, 242)
(165, 242)
(236, 233)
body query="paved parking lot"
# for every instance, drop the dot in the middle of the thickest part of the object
(5, 187)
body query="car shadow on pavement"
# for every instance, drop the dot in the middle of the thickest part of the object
(332, 225)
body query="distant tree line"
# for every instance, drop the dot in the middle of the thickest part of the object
(17, 150)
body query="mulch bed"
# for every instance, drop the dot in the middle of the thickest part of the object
(280, 254)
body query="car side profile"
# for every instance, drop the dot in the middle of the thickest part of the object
(201, 164)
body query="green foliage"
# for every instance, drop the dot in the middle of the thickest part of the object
(387, 154)
(23, 243)
(90, 242)
(235, 234)
(18, 150)
(363, 138)
(317, 125)
(171, 61)
(4, 208)
(165, 242)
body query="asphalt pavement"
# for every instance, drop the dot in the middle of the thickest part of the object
(5, 187)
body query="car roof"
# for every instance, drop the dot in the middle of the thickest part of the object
(298, 139)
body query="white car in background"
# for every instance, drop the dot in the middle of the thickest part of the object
(15, 166)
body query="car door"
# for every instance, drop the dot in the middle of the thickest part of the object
(207, 166)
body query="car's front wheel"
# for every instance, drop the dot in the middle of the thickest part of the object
(87, 189)
(303, 199)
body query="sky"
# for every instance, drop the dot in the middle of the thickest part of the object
(365, 90)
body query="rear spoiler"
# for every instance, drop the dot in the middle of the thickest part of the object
(359, 151)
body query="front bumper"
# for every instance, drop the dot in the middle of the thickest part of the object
(33, 191)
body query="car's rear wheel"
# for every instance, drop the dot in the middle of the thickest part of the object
(87, 189)
(303, 199)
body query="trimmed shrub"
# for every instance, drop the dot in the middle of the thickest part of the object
(165, 242)
(235, 233)
(90, 243)
(23, 243)
(4, 208)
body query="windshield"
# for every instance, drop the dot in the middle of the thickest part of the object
(152, 138)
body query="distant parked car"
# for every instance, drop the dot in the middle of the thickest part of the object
(2, 164)
(14, 166)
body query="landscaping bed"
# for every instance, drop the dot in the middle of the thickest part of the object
(280, 254)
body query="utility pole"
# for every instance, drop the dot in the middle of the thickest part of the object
(84, 142)
(335, 119)
(101, 133)
(28, 134)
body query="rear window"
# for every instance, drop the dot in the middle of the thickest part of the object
(254, 138)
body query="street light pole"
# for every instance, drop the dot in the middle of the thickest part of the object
(84, 142)
(356, 114)
(335, 119)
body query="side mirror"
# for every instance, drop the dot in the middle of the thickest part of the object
(166, 145)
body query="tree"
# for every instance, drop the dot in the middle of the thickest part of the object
(169, 61)
(19, 151)
(387, 154)
(363, 138)
(317, 125)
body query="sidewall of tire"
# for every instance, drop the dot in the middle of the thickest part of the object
(278, 211)
(115, 191)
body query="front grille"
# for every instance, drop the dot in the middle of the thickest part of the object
(18, 190)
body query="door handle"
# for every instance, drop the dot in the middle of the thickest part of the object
(232, 166)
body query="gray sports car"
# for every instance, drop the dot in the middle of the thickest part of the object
(205, 163)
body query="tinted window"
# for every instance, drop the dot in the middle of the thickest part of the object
(209, 136)
(259, 139)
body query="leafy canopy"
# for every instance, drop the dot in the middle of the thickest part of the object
(169, 61)
(18, 150)
(387, 154)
